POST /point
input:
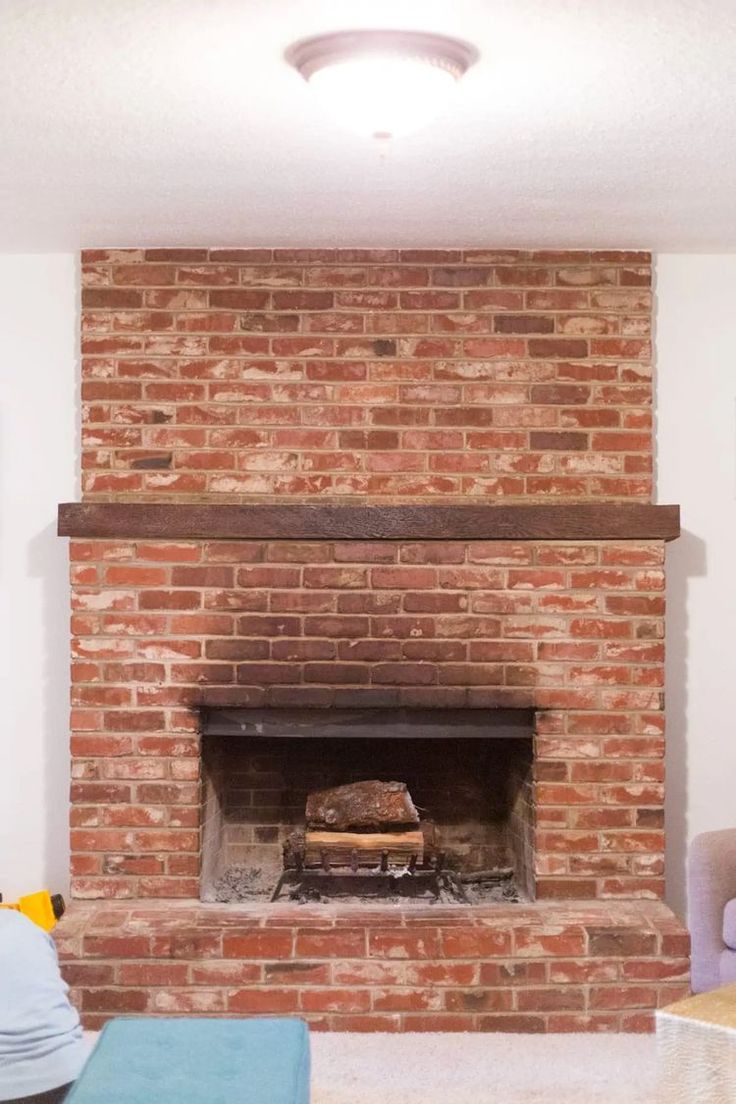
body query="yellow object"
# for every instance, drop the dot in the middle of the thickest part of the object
(43, 908)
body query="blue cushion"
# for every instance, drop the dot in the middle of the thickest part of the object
(729, 924)
(197, 1061)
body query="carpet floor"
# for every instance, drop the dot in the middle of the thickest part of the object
(483, 1069)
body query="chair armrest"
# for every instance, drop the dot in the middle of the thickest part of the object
(711, 882)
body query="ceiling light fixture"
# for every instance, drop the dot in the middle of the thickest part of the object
(382, 83)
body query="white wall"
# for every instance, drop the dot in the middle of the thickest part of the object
(38, 461)
(696, 458)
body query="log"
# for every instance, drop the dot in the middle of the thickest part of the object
(367, 848)
(368, 805)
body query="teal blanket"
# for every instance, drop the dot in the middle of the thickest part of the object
(197, 1061)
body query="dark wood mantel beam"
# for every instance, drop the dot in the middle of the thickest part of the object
(323, 521)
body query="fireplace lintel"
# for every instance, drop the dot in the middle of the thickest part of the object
(398, 723)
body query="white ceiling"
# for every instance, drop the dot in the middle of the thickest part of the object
(585, 123)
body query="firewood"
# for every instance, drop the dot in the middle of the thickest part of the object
(368, 805)
(340, 847)
(429, 831)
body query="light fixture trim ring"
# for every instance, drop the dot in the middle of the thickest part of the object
(309, 55)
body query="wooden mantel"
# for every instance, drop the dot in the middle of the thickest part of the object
(295, 521)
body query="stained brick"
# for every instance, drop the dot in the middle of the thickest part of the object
(276, 297)
(269, 944)
(331, 943)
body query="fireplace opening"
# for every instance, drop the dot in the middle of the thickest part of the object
(396, 805)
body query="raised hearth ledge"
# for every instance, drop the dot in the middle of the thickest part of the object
(550, 966)
(296, 521)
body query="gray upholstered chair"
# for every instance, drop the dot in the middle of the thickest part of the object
(711, 879)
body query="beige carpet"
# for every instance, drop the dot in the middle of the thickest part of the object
(483, 1069)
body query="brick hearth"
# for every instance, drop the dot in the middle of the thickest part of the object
(596, 966)
(287, 375)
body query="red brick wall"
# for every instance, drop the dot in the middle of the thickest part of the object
(242, 374)
(572, 629)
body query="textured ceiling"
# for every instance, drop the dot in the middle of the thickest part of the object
(586, 122)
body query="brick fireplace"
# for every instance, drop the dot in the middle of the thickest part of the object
(387, 488)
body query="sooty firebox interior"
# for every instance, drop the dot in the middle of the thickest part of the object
(392, 803)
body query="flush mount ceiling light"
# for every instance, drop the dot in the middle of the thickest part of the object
(382, 83)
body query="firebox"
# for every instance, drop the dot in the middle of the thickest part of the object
(431, 804)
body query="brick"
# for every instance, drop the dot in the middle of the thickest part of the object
(435, 1022)
(675, 943)
(115, 1000)
(475, 942)
(598, 724)
(557, 999)
(583, 971)
(149, 974)
(117, 946)
(110, 298)
(178, 255)
(614, 943)
(332, 943)
(263, 1001)
(339, 578)
(404, 578)
(266, 944)
(187, 944)
(84, 746)
(336, 673)
(79, 974)
(303, 973)
(559, 347)
(479, 1000)
(562, 441)
(398, 944)
(188, 1001)
(407, 1000)
(268, 576)
(336, 626)
(565, 942)
(560, 394)
(621, 442)
(145, 274)
(336, 1000)
(131, 721)
(600, 628)
(523, 324)
(566, 888)
(169, 599)
(622, 996)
